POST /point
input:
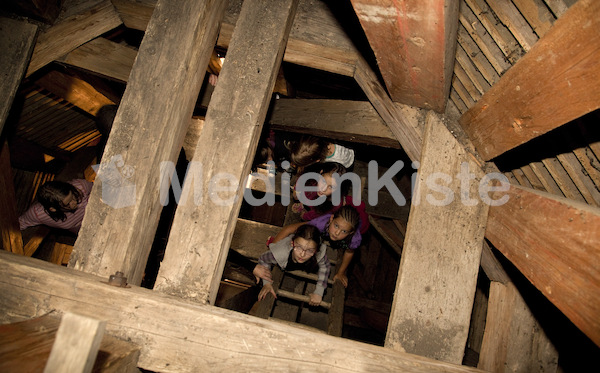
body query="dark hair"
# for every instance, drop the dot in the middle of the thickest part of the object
(309, 233)
(262, 154)
(104, 122)
(51, 194)
(323, 169)
(308, 150)
(348, 213)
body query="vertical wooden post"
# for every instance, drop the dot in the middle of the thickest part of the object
(442, 250)
(202, 230)
(9, 224)
(124, 208)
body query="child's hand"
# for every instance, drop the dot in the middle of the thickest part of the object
(268, 288)
(315, 299)
(263, 272)
(341, 277)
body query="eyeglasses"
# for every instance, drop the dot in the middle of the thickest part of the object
(303, 250)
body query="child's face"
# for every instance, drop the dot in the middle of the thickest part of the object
(326, 185)
(339, 228)
(303, 249)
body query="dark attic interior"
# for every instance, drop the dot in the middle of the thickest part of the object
(474, 127)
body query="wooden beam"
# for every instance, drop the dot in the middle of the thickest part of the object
(16, 43)
(415, 43)
(76, 345)
(491, 266)
(513, 340)
(250, 237)
(165, 326)
(9, 220)
(193, 269)
(104, 57)
(74, 90)
(163, 88)
(316, 40)
(555, 243)
(408, 132)
(557, 81)
(45, 11)
(440, 259)
(70, 33)
(334, 119)
(25, 347)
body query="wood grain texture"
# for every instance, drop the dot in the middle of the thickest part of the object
(414, 42)
(10, 234)
(555, 243)
(149, 127)
(164, 326)
(555, 82)
(441, 254)
(201, 234)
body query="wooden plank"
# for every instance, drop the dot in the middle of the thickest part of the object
(537, 15)
(479, 59)
(9, 219)
(461, 74)
(104, 57)
(316, 40)
(545, 178)
(25, 347)
(555, 243)
(583, 182)
(163, 88)
(74, 90)
(533, 98)
(210, 336)
(532, 177)
(562, 179)
(407, 132)
(45, 11)
(440, 260)
(76, 345)
(250, 237)
(16, 43)
(472, 72)
(460, 89)
(254, 54)
(513, 340)
(334, 119)
(491, 266)
(335, 316)
(70, 33)
(512, 18)
(458, 101)
(387, 229)
(414, 42)
(589, 162)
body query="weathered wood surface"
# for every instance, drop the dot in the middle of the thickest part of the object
(9, 220)
(104, 57)
(201, 234)
(555, 243)
(441, 255)
(17, 39)
(162, 89)
(74, 90)
(407, 132)
(513, 340)
(491, 266)
(316, 40)
(414, 42)
(389, 232)
(557, 81)
(76, 345)
(25, 347)
(164, 326)
(73, 31)
(250, 237)
(344, 120)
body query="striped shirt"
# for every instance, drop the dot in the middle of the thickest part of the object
(36, 215)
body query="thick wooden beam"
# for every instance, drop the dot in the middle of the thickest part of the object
(513, 340)
(165, 326)
(45, 11)
(317, 40)
(250, 237)
(334, 119)
(414, 42)
(104, 57)
(124, 207)
(201, 233)
(25, 347)
(73, 31)
(408, 132)
(74, 90)
(441, 254)
(557, 81)
(9, 224)
(16, 43)
(555, 243)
